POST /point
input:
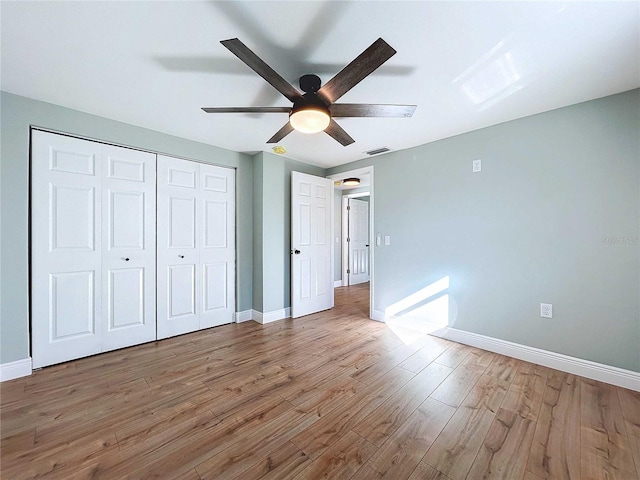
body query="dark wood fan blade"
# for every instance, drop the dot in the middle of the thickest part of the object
(370, 110)
(337, 132)
(241, 51)
(347, 78)
(280, 134)
(247, 109)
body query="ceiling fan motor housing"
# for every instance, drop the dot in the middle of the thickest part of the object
(309, 83)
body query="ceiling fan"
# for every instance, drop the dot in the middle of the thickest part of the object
(314, 110)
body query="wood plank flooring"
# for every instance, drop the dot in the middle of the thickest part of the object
(330, 395)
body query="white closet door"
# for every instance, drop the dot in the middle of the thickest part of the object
(128, 247)
(196, 246)
(217, 245)
(66, 249)
(92, 207)
(177, 252)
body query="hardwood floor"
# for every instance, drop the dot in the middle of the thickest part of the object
(331, 395)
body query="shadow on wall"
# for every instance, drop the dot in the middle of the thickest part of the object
(426, 311)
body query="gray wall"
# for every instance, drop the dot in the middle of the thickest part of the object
(18, 113)
(274, 210)
(258, 174)
(553, 217)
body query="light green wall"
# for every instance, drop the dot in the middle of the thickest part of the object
(258, 174)
(18, 113)
(553, 217)
(275, 212)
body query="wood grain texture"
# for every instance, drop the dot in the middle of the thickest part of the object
(606, 450)
(427, 472)
(630, 404)
(402, 452)
(555, 451)
(504, 452)
(456, 447)
(341, 460)
(330, 395)
(395, 411)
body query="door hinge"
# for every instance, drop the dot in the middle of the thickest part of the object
(348, 207)
(348, 270)
(348, 239)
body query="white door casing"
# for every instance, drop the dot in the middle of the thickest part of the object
(311, 245)
(358, 241)
(90, 210)
(196, 246)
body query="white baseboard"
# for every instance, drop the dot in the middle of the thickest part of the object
(17, 369)
(274, 315)
(244, 316)
(337, 283)
(565, 363)
(577, 366)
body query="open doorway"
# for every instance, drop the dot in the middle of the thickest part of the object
(354, 264)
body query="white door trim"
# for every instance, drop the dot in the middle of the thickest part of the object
(372, 249)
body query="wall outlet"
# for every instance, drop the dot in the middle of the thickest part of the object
(546, 310)
(477, 166)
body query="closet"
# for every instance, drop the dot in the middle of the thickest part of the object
(99, 242)
(196, 246)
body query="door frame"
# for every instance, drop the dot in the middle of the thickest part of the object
(354, 173)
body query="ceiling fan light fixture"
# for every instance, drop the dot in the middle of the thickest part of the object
(310, 119)
(351, 182)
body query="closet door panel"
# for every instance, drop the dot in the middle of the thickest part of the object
(217, 245)
(129, 247)
(65, 248)
(178, 258)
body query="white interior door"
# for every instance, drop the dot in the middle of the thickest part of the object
(85, 214)
(358, 241)
(128, 247)
(311, 246)
(196, 246)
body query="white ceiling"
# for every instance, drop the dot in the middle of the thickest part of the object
(466, 65)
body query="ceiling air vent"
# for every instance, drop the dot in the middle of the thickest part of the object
(376, 151)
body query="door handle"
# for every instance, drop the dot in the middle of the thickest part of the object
(296, 251)
(126, 259)
(367, 245)
(180, 256)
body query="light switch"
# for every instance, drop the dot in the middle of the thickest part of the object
(378, 239)
(477, 166)
(337, 239)
(387, 239)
